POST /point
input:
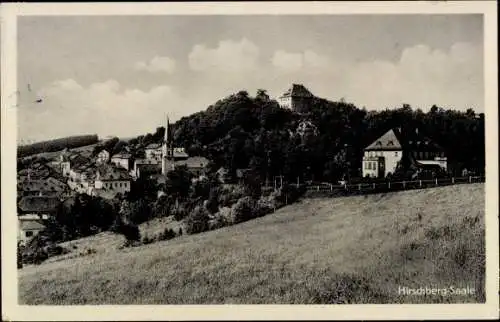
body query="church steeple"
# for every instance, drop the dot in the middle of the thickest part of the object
(167, 149)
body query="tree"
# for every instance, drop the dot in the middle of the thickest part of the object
(197, 221)
(178, 182)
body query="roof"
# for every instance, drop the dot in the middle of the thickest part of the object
(122, 156)
(77, 160)
(38, 204)
(148, 168)
(145, 161)
(49, 184)
(193, 162)
(31, 225)
(109, 173)
(153, 146)
(409, 139)
(388, 141)
(297, 90)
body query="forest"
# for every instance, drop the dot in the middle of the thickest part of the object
(323, 144)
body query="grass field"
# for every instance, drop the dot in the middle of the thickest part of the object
(344, 250)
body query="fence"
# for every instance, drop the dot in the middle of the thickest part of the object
(377, 187)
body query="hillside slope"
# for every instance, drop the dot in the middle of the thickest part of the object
(352, 249)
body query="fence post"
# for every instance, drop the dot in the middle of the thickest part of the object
(420, 182)
(317, 188)
(452, 180)
(331, 187)
(374, 185)
(359, 187)
(404, 184)
(470, 179)
(436, 181)
(389, 184)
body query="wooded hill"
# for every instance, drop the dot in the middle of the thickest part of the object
(241, 131)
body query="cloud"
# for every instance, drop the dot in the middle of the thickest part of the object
(104, 108)
(299, 61)
(228, 56)
(157, 64)
(421, 77)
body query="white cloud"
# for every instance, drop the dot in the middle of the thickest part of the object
(228, 56)
(300, 61)
(157, 64)
(103, 108)
(421, 77)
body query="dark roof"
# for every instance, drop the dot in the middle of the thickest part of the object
(145, 161)
(110, 173)
(49, 184)
(148, 168)
(388, 141)
(297, 90)
(408, 139)
(38, 204)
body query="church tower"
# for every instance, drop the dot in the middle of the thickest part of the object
(167, 157)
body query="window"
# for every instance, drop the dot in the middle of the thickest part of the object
(29, 233)
(379, 143)
(374, 165)
(390, 143)
(395, 154)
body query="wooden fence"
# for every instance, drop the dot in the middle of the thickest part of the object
(377, 187)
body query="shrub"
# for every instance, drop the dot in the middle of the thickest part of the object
(167, 234)
(179, 212)
(221, 219)
(197, 221)
(243, 210)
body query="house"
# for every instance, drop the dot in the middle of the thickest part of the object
(103, 157)
(110, 181)
(27, 229)
(37, 207)
(122, 160)
(153, 152)
(297, 98)
(382, 157)
(145, 167)
(42, 187)
(195, 165)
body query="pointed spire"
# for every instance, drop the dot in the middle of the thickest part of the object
(167, 130)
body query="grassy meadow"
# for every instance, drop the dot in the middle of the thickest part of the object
(318, 251)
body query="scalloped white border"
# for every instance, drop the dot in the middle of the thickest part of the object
(12, 311)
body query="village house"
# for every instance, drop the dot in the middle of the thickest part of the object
(122, 160)
(110, 181)
(381, 157)
(32, 212)
(145, 167)
(103, 157)
(297, 98)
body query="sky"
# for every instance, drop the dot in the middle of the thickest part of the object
(120, 75)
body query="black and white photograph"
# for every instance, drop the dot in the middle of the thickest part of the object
(275, 157)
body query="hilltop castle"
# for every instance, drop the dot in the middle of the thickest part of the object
(297, 98)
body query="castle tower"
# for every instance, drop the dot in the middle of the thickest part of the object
(167, 156)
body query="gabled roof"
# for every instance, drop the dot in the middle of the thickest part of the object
(388, 141)
(38, 204)
(408, 139)
(298, 90)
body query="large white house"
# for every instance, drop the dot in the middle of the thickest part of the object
(296, 98)
(381, 157)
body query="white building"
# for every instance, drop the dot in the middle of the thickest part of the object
(297, 98)
(381, 157)
(122, 160)
(110, 181)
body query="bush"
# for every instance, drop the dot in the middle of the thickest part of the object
(243, 210)
(180, 212)
(197, 221)
(221, 219)
(167, 234)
